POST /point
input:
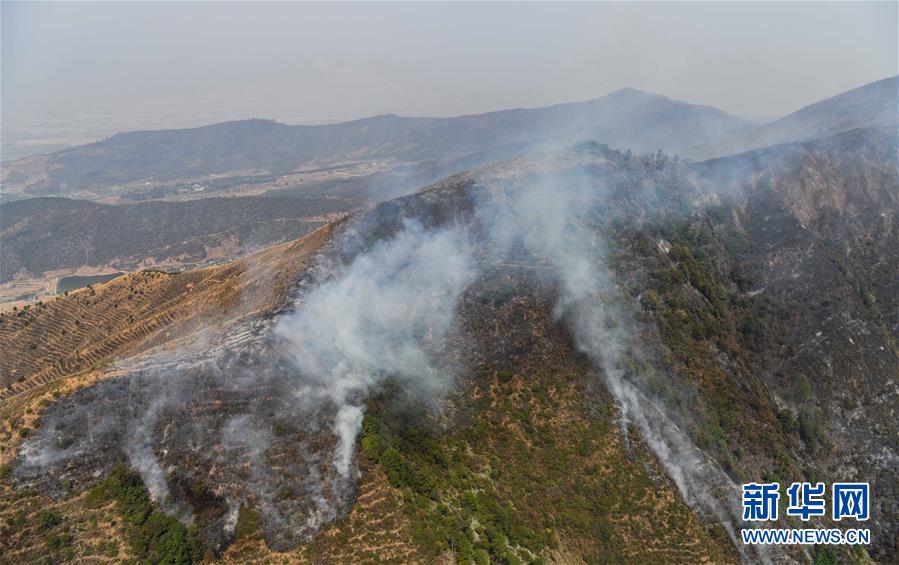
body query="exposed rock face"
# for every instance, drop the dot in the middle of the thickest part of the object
(824, 228)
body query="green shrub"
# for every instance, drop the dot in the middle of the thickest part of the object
(868, 298)
(163, 539)
(802, 388)
(56, 542)
(96, 497)
(154, 536)
(247, 522)
(650, 300)
(824, 555)
(787, 421)
(47, 519)
(809, 426)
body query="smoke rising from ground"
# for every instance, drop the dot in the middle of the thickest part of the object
(369, 322)
(386, 313)
(139, 448)
(561, 220)
(379, 317)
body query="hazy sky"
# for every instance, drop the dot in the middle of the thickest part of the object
(129, 65)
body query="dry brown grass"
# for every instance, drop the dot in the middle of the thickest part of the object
(375, 531)
(97, 534)
(52, 349)
(544, 378)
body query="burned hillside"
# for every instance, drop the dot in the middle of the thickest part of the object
(614, 321)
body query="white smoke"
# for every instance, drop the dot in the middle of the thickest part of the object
(384, 315)
(387, 314)
(380, 317)
(139, 448)
(347, 425)
(559, 221)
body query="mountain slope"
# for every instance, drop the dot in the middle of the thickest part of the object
(758, 292)
(90, 327)
(50, 234)
(626, 119)
(873, 105)
(515, 360)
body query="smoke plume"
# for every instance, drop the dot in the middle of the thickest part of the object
(561, 220)
(386, 314)
(381, 316)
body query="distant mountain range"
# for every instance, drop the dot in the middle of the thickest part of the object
(43, 235)
(874, 105)
(627, 118)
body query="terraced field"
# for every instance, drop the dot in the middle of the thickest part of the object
(376, 530)
(49, 344)
(479, 489)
